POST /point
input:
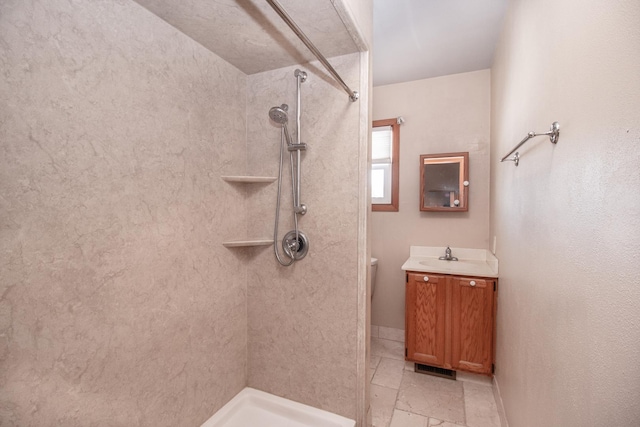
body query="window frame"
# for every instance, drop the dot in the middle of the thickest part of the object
(395, 167)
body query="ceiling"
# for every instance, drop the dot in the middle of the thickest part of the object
(250, 35)
(412, 39)
(419, 39)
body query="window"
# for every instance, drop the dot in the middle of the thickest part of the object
(385, 153)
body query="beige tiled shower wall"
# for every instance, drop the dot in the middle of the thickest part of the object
(118, 303)
(303, 319)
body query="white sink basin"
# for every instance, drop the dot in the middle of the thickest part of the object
(471, 262)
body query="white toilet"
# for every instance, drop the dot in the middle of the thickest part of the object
(374, 269)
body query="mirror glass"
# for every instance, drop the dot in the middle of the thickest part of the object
(444, 181)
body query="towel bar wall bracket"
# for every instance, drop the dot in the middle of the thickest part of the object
(553, 134)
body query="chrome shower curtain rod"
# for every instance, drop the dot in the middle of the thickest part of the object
(353, 95)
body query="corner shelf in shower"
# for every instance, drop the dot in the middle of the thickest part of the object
(246, 179)
(249, 179)
(247, 243)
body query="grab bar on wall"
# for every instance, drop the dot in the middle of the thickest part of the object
(553, 134)
(353, 95)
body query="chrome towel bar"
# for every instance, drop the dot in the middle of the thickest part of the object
(353, 95)
(553, 134)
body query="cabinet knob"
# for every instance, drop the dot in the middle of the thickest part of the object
(426, 278)
(472, 283)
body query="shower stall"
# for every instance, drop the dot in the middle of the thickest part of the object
(119, 303)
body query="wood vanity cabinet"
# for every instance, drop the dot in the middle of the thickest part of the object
(450, 321)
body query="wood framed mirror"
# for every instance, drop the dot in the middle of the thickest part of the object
(444, 182)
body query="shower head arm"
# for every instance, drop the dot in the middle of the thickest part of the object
(287, 135)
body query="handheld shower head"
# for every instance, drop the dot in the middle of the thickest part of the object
(279, 114)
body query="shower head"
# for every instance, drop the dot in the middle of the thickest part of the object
(279, 114)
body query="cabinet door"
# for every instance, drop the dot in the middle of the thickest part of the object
(472, 324)
(425, 318)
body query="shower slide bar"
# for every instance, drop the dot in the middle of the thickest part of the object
(553, 134)
(353, 95)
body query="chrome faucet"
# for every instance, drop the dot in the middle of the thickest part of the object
(447, 255)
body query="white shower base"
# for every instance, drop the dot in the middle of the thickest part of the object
(254, 408)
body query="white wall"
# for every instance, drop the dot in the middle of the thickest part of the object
(443, 115)
(567, 219)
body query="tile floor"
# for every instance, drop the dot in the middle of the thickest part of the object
(402, 398)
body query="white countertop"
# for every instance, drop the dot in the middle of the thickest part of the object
(471, 262)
